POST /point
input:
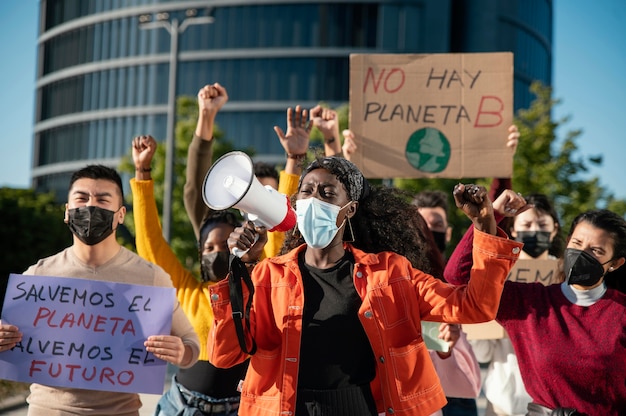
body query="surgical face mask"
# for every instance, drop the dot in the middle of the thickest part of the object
(535, 242)
(91, 224)
(440, 240)
(317, 221)
(214, 266)
(581, 268)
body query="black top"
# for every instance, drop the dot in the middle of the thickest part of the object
(219, 383)
(335, 352)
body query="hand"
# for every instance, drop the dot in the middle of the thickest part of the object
(510, 203)
(327, 121)
(450, 333)
(349, 144)
(144, 148)
(211, 98)
(168, 348)
(475, 203)
(513, 139)
(9, 336)
(296, 140)
(245, 238)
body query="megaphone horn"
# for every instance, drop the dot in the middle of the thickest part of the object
(230, 183)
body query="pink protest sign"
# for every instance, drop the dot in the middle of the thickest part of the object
(85, 334)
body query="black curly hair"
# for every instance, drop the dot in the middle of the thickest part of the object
(384, 221)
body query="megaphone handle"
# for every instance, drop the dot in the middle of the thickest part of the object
(239, 252)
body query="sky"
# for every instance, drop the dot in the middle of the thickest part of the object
(589, 58)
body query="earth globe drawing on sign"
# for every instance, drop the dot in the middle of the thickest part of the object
(428, 150)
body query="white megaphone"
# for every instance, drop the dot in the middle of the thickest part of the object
(231, 183)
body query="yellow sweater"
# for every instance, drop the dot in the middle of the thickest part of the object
(192, 294)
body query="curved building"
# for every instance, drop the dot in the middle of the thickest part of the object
(104, 68)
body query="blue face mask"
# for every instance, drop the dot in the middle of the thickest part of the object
(317, 221)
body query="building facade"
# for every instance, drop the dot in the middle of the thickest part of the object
(102, 75)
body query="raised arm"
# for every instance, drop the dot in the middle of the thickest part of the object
(457, 270)
(296, 140)
(349, 144)
(327, 122)
(211, 98)
(148, 236)
(296, 143)
(493, 255)
(460, 262)
(475, 203)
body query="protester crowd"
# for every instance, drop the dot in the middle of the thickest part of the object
(326, 319)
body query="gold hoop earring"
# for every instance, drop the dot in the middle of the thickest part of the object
(351, 232)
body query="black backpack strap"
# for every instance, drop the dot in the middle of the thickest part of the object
(239, 273)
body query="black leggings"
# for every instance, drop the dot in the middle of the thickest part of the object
(352, 401)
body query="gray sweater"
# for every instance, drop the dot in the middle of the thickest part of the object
(124, 267)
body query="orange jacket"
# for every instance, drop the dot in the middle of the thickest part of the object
(396, 298)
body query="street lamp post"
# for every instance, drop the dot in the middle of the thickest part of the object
(174, 28)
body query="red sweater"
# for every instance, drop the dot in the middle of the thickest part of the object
(569, 355)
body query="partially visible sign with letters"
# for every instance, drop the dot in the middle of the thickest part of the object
(432, 115)
(85, 334)
(528, 271)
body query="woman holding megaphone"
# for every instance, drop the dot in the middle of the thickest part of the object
(203, 388)
(336, 321)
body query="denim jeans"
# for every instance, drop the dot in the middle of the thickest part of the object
(172, 403)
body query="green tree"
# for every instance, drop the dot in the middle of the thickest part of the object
(182, 241)
(554, 167)
(32, 228)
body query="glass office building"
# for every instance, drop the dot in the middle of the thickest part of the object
(102, 78)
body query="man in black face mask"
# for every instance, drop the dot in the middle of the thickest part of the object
(93, 213)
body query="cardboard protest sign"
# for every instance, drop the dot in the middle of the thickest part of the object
(435, 115)
(85, 334)
(527, 271)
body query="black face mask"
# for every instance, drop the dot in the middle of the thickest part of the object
(440, 240)
(535, 242)
(91, 224)
(581, 268)
(214, 266)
